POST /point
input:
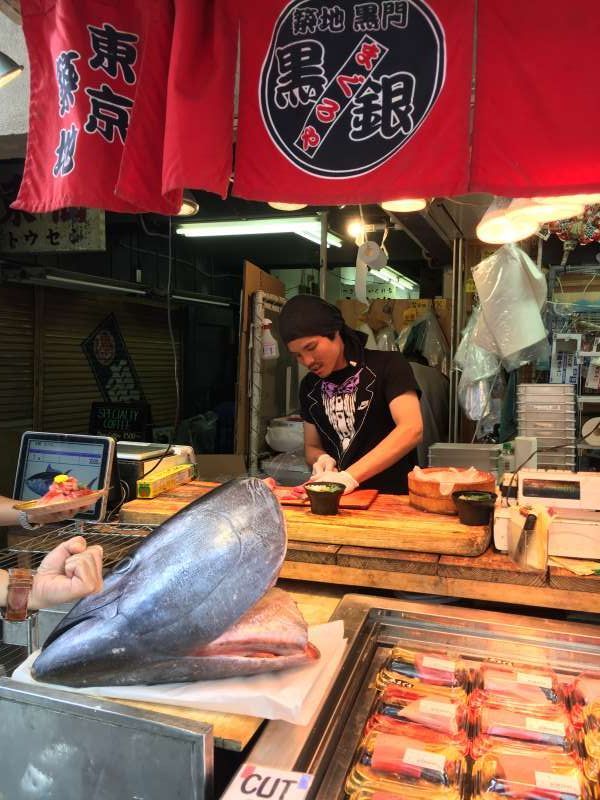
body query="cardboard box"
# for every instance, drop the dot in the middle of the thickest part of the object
(220, 467)
(353, 311)
(379, 315)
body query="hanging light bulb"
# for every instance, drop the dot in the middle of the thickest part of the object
(287, 206)
(189, 205)
(355, 229)
(499, 227)
(588, 199)
(532, 208)
(406, 204)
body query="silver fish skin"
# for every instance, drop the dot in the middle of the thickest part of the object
(188, 582)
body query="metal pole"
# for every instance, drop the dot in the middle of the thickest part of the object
(459, 312)
(261, 301)
(323, 259)
(452, 372)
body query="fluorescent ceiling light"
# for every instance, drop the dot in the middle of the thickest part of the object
(199, 300)
(390, 275)
(92, 285)
(308, 227)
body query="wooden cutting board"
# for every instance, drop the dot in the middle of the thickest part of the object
(361, 499)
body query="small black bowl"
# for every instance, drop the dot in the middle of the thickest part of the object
(474, 508)
(324, 500)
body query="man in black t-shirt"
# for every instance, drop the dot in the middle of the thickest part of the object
(362, 420)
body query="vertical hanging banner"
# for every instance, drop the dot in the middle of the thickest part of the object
(200, 98)
(353, 101)
(536, 114)
(97, 105)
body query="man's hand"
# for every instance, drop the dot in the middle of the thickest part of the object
(324, 463)
(343, 477)
(70, 571)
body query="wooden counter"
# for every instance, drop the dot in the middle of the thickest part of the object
(393, 547)
(390, 522)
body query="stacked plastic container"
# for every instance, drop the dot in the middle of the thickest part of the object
(485, 457)
(548, 412)
(448, 727)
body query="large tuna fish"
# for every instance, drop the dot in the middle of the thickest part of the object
(183, 588)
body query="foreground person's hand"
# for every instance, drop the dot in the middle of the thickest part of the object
(70, 571)
(324, 463)
(343, 477)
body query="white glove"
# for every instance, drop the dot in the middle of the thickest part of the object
(324, 463)
(338, 477)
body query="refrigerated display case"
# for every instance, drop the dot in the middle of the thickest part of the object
(444, 703)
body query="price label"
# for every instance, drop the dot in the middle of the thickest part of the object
(424, 759)
(437, 708)
(441, 664)
(534, 679)
(253, 781)
(567, 784)
(551, 726)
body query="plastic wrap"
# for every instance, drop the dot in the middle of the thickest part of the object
(435, 669)
(425, 336)
(512, 291)
(492, 721)
(526, 687)
(450, 477)
(509, 771)
(384, 760)
(435, 713)
(405, 793)
(585, 689)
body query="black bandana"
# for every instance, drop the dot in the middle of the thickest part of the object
(307, 315)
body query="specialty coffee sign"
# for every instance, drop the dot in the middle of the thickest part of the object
(345, 86)
(122, 421)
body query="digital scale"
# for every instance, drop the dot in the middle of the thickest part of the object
(136, 459)
(574, 496)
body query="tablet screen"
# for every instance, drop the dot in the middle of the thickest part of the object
(45, 455)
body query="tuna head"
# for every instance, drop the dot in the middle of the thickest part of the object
(188, 581)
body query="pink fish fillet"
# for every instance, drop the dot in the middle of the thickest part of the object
(272, 635)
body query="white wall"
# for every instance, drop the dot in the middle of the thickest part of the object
(14, 97)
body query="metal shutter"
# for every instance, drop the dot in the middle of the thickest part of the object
(69, 386)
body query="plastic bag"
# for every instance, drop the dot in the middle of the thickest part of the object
(199, 431)
(386, 339)
(512, 291)
(425, 336)
(480, 368)
(288, 469)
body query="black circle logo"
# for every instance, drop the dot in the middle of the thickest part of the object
(346, 84)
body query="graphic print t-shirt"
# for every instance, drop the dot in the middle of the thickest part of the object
(350, 409)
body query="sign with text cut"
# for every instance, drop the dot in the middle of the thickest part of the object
(253, 782)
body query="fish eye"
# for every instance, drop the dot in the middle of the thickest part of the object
(123, 565)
